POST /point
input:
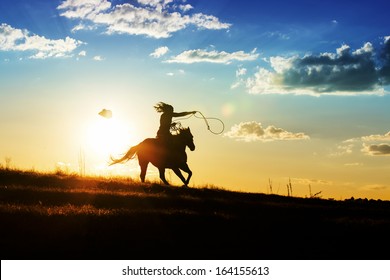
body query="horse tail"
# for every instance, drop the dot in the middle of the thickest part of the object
(129, 155)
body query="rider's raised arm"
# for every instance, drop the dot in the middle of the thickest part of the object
(182, 114)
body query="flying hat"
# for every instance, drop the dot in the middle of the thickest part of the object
(106, 114)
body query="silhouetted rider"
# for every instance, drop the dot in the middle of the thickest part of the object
(168, 113)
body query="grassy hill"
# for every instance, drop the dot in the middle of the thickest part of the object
(47, 216)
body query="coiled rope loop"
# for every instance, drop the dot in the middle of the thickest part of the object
(176, 125)
(208, 125)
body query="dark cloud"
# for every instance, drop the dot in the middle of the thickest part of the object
(346, 71)
(377, 150)
(385, 57)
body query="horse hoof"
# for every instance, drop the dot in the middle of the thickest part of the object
(185, 186)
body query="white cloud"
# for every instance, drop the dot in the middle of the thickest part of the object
(199, 55)
(85, 9)
(372, 137)
(308, 181)
(377, 137)
(235, 84)
(208, 22)
(153, 18)
(367, 48)
(346, 148)
(82, 53)
(241, 72)
(13, 39)
(281, 64)
(278, 35)
(254, 131)
(98, 58)
(369, 147)
(159, 52)
(354, 164)
(374, 187)
(376, 149)
(179, 72)
(344, 72)
(265, 82)
(185, 8)
(82, 26)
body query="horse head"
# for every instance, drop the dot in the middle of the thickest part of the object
(187, 138)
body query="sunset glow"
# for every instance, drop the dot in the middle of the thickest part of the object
(302, 89)
(107, 136)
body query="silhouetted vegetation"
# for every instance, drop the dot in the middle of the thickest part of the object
(57, 216)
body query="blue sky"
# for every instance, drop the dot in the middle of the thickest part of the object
(302, 86)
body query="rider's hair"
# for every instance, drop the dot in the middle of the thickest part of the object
(162, 107)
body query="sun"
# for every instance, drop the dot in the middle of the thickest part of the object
(106, 137)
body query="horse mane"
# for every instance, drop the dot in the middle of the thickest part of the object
(179, 130)
(182, 129)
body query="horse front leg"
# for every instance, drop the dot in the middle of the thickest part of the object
(185, 168)
(178, 173)
(162, 175)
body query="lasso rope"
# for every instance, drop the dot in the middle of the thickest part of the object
(207, 123)
(178, 124)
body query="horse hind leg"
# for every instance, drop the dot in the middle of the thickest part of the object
(144, 167)
(162, 175)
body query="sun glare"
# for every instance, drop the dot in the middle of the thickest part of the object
(106, 137)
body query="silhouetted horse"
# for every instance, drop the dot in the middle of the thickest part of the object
(163, 154)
